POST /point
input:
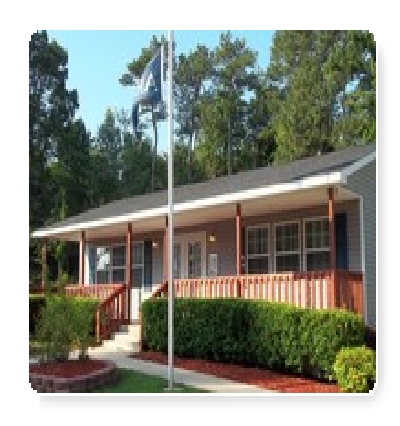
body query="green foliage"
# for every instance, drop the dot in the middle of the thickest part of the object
(271, 335)
(64, 324)
(36, 303)
(355, 369)
(84, 312)
(324, 83)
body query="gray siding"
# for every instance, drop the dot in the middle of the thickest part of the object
(225, 233)
(363, 182)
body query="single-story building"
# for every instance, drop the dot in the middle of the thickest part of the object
(302, 233)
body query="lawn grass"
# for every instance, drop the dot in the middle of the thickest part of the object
(133, 382)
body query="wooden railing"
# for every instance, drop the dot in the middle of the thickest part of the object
(349, 291)
(98, 291)
(112, 312)
(319, 289)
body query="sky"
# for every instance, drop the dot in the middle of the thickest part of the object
(97, 59)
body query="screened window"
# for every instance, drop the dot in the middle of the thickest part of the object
(257, 250)
(287, 247)
(118, 264)
(317, 250)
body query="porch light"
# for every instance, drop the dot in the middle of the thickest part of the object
(155, 244)
(212, 238)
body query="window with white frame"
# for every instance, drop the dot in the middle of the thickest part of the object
(138, 264)
(316, 244)
(258, 249)
(110, 264)
(287, 246)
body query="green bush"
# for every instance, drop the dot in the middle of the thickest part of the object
(65, 324)
(271, 335)
(355, 369)
(36, 303)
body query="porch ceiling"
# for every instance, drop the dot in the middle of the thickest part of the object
(267, 204)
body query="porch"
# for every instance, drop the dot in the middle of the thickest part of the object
(291, 248)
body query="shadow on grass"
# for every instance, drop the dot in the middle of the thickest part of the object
(134, 382)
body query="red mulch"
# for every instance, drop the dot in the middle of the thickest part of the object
(265, 379)
(68, 369)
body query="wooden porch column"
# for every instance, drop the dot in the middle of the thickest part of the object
(44, 263)
(129, 281)
(332, 246)
(82, 259)
(165, 260)
(238, 245)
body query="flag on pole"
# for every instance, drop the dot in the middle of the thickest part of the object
(149, 88)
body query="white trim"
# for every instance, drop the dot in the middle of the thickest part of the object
(283, 253)
(357, 166)
(257, 256)
(249, 194)
(313, 250)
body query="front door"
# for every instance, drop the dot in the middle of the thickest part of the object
(189, 256)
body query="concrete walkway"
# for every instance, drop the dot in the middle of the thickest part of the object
(186, 377)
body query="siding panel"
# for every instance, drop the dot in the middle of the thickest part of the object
(363, 182)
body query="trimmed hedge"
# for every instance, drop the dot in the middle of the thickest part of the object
(36, 303)
(355, 369)
(271, 335)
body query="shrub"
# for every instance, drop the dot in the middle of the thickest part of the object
(271, 335)
(83, 315)
(355, 369)
(65, 324)
(36, 303)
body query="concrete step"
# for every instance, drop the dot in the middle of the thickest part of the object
(118, 345)
(131, 328)
(121, 337)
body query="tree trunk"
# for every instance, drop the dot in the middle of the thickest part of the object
(229, 163)
(189, 158)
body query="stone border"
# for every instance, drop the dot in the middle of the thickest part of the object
(50, 384)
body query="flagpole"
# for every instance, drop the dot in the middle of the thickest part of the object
(170, 216)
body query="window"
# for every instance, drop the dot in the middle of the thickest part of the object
(110, 264)
(194, 259)
(257, 249)
(316, 250)
(102, 265)
(287, 247)
(137, 264)
(118, 264)
(177, 267)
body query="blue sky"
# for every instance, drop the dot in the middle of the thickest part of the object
(96, 60)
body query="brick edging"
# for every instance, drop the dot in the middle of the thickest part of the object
(85, 383)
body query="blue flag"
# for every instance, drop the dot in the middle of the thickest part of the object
(149, 88)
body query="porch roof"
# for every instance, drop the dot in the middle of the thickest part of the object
(317, 171)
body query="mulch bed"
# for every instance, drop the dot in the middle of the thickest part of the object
(253, 376)
(68, 369)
